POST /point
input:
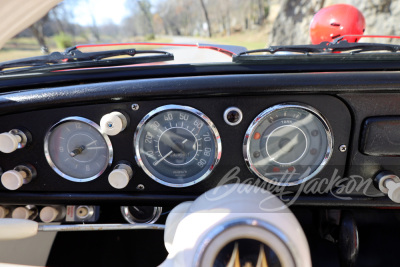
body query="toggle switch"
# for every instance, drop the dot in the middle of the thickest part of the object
(20, 175)
(120, 176)
(12, 140)
(113, 123)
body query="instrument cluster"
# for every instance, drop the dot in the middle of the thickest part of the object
(176, 146)
(179, 146)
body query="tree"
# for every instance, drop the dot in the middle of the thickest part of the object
(38, 32)
(261, 12)
(203, 6)
(145, 8)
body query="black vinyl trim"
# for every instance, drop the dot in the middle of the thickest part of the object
(41, 78)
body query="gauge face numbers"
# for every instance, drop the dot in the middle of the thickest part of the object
(288, 144)
(77, 150)
(177, 146)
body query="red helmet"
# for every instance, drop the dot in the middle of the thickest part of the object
(334, 21)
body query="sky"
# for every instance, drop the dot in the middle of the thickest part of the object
(102, 10)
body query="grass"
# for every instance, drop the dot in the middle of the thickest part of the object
(15, 53)
(19, 48)
(254, 39)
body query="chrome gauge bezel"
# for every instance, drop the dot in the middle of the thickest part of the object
(150, 115)
(133, 220)
(90, 123)
(262, 116)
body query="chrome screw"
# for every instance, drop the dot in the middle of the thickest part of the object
(135, 107)
(343, 148)
(140, 187)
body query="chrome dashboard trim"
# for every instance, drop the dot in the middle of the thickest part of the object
(236, 109)
(98, 227)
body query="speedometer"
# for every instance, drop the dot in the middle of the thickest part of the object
(177, 146)
(287, 144)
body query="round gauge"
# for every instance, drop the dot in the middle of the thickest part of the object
(287, 144)
(141, 214)
(77, 150)
(177, 146)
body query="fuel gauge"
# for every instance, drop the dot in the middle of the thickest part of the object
(77, 150)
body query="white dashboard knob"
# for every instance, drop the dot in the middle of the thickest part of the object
(22, 213)
(388, 183)
(113, 123)
(12, 180)
(48, 214)
(393, 190)
(3, 212)
(119, 178)
(9, 142)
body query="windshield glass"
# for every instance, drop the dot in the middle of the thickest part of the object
(253, 24)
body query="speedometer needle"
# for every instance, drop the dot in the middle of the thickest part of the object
(158, 161)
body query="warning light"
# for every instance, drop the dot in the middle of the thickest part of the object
(257, 136)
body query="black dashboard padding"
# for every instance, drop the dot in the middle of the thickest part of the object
(381, 136)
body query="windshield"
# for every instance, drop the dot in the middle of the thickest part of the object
(253, 24)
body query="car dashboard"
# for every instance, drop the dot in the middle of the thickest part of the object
(326, 135)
